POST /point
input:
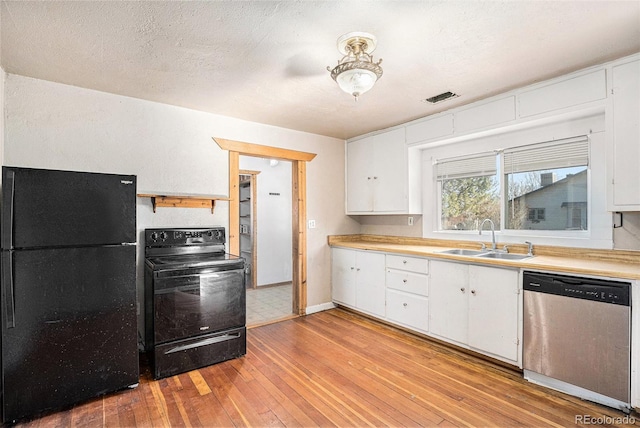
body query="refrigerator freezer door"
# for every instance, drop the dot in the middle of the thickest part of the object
(75, 328)
(46, 208)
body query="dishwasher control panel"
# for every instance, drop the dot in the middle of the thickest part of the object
(599, 290)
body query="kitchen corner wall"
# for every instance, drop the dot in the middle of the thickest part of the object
(627, 237)
(170, 149)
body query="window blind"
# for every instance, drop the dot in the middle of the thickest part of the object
(550, 155)
(480, 165)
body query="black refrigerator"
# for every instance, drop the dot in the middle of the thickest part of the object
(68, 291)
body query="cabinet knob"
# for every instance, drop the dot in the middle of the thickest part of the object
(404, 262)
(473, 292)
(404, 280)
(358, 269)
(352, 267)
(462, 289)
(375, 178)
(404, 304)
(368, 178)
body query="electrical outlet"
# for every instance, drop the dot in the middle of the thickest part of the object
(410, 221)
(312, 224)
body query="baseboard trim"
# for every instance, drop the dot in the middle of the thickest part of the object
(319, 308)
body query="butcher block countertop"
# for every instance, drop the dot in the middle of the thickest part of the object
(610, 263)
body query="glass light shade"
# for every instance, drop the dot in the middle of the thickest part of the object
(356, 81)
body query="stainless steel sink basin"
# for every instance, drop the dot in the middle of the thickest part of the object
(464, 252)
(504, 256)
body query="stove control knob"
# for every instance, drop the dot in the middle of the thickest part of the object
(154, 236)
(163, 235)
(210, 233)
(218, 234)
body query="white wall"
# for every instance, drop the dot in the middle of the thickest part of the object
(274, 220)
(2, 79)
(51, 125)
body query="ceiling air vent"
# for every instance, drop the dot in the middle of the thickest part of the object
(441, 97)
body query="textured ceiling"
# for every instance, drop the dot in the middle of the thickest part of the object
(265, 61)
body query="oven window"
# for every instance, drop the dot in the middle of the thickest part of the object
(186, 306)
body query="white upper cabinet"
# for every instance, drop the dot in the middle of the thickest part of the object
(624, 194)
(566, 93)
(438, 127)
(379, 176)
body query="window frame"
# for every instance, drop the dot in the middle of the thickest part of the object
(591, 123)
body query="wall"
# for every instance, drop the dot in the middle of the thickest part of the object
(274, 237)
(392, 225)
(50, 125)
(2, 79)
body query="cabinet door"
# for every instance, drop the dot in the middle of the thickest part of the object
(626, 135)
(448, 307)
(343, 276)
(370, 286)
(493, 311)
(408, 309)
(359, 175)
(390, 172)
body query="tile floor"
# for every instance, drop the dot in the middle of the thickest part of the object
(268, 304)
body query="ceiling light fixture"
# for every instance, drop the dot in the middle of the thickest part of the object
(356, 72)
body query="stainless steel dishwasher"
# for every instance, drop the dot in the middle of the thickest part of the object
(577, 336)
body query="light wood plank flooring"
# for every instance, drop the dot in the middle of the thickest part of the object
(336, 368)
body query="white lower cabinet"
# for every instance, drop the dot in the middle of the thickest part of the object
(407, 283)
(407, 309)
(472, 306)
(493, 311)
(476, 306)
(357, 279)
(449, 307)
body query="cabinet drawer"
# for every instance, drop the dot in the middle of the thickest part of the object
(410, 282)
(408, 309)
(412, 264)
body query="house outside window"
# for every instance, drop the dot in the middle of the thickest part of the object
(547, 186)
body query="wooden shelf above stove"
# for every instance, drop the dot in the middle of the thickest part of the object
(185, 200)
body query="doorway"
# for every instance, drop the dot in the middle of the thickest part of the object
(265, 230)
(299, 207)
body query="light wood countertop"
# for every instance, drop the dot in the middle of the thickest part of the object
(608, 263)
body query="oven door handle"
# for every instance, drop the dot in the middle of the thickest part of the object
(205, 342)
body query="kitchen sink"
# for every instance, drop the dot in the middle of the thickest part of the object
(464, 252)
(504, 256)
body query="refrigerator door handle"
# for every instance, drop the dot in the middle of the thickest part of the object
(9, 186)
(7, 288)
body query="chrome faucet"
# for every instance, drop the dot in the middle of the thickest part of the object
(493, 232)
(530, 253)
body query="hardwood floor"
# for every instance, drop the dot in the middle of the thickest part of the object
(336, 368)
